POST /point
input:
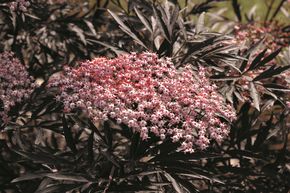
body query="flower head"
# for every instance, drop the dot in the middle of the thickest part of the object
(15, 83)
(20, 5)
(149, 95)
(274, 35)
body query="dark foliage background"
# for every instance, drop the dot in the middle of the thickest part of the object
(45, 150)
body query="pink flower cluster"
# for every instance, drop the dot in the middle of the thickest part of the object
(20, 5)
(150, 96)
(273, 34)
(15, 84)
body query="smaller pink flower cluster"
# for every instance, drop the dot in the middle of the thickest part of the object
(150, 96)
(20, 5)
(273, 34)
(15, 84)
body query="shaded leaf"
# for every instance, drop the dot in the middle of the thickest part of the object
(91, 27)
(270, 72)
(67, 177)
(91, 147)
(28, 177)
(278, 87)
(194, 47)
(237, 10)
(174, 183)
(127, 29)
(43, 158)
(68, 135)
(110, 158)
(162, 24)
(224, 78)
(200, 23)
(258, 58)
(186, 184)
(79, 32)
(114, 48)
(263, 134)
(58, 188)
(143, 19)
(255, 96)
(268, 58)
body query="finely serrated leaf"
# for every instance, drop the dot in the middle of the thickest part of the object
(79, 32)
(233, 65)
(43, 158)
(237, 10)
(255, 96)
(200, 23)
(182, 28)
(197, 46)
(239, 96)
(58, 188)
(68, 135)
(91, 27)
(162, 24)
(32, 16)
(91, 147)
(143, 19)
(66, 177)
(272, 71)
(28, 177)
(268, 104)
(229, 93)
(263, 133)
(224, 78)
(50, 189)
(173, 19)
(278, 87)
(44, 183)
(118, 19)
(268, 58)
(110, 158)
(174, 183)
(186, 184)
(115, 49)
(244, 63)
(128, 30)
(256, 61)
(266, 74)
